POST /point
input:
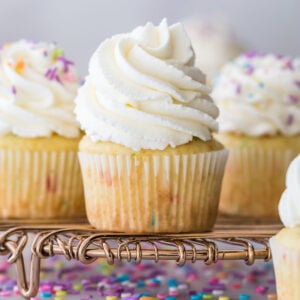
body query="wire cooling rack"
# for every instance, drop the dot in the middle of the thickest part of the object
(231, 239)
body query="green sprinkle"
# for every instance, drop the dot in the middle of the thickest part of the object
(77, 287)
(133, 154)
(153, 220)
(57, 53)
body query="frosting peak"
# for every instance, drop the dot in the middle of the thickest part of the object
(38, 85)
(289, 205)
(144, 92)
(259, 94)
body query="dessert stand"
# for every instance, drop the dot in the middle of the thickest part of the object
(231, 239)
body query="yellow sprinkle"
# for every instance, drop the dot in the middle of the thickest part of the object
(5, 46)
(61, 293)
(223, 298)
(58, 298)
(111, 298)
(57, 53)
(19, 66)
(129, 105)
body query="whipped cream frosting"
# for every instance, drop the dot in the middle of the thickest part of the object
(38, 85)
(289, 204)
(259, 94)
(144, 92)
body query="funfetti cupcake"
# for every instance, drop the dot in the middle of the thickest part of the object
(39, 135)
(259, 100)
(285, 245)
(148, 159)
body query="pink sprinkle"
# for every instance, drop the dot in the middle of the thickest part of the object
(290, 119)
(5, 293)
(289, 65)
(238, 89)
(68, 76)
(261, 289)
(293, 99)
(214, 280)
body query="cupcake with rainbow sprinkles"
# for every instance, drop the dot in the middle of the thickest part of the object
(259, 100)
(39, 135)
(285, 245)
(148, 159)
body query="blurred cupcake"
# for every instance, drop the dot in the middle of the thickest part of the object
(259, 101)
(285, 244)
(39, 135)
(148, 159)
(214, 43)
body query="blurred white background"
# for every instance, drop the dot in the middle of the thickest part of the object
(79, 26)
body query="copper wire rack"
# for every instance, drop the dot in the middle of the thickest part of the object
(231, 239)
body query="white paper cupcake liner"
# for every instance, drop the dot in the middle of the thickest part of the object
(40, 184)
(178, 193)
(254, 179)
(286, 263)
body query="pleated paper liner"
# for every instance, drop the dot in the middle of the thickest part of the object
(253, 182)
(286, 260)
(40, 184)
(148, 194)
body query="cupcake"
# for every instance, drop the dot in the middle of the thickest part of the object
(259, 100)
(39, 135)
(214, 42)
(285, 245)
(148, 159)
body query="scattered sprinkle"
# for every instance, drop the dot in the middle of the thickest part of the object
(19, 66)
(14, 90)
(290, 119)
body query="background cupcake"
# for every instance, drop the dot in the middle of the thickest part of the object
(39, 170)
(285, 244)
(214, 43)
(259, 101)
(148, 159)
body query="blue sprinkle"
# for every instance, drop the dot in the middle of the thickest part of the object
(46, 294)
(144, 294)
(261, 85)
(195, 297)
(141, 283)
(244, 297)
(123, 277)
(154, 280)
(172, 283)
(170, 298)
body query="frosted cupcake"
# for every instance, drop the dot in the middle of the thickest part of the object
(285, 245)
(259, 101)
(39, 135)
(148, 159)
(214, 43)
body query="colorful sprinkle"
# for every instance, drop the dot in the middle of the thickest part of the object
(19, 66)
(51, 74)
(14, 90)
(66, 63)
(293, 99)
(290, 119)
(57, 53)
(297, 83)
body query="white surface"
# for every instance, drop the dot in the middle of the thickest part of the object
(79, 25)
